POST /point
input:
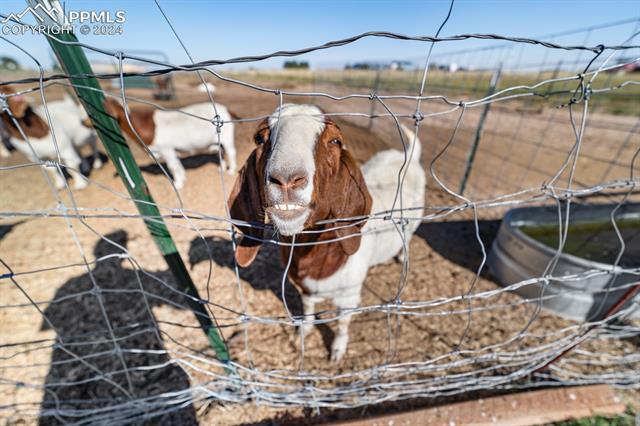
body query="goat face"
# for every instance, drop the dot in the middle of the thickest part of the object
(299, 173)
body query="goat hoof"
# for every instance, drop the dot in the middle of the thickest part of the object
(306, 329)
(97, 164)
(80, 185)
(338, 348)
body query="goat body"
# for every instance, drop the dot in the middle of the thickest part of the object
(319, 180)
(67, 133)
(165, 133)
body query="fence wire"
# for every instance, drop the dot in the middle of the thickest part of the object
(116, 343)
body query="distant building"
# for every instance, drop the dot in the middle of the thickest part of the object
(392, 66)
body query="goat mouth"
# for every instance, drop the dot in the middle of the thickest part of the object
(287, 207)
(288, 219)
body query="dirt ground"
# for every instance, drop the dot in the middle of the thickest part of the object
(46, 254)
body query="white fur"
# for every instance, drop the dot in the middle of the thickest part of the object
(4, 152)
(177, 132)
(381, 240)
(294, 133)
(206, 88)
(70, 134)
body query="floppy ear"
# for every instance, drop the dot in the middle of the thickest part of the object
(352, 199)
(30, 123)
(33, 125)
(245, 203)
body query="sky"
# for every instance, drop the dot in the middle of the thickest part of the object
(227, 29)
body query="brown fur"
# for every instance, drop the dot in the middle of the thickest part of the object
(142, 121)
(17, 104)
(30, 122)
(339, 192)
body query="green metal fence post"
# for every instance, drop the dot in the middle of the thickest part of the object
(75, 64)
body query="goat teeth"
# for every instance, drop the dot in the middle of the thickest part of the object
(287, 207)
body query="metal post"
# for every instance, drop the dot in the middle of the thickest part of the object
(75, 63)
(476, 140)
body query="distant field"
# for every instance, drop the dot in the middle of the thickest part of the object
(460, 85)
(457, 85)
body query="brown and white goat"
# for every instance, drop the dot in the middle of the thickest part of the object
(165, 133)
(66, 116)
(300, 173)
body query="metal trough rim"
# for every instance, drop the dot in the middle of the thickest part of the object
(592, 264)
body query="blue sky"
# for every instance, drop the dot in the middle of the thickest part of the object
(225, 29)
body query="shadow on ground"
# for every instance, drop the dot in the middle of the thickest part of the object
(457, 241)
(5, 229)
(191, 162)
(109, 350)
(265, 273)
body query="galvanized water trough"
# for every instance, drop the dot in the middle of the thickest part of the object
(528, 241)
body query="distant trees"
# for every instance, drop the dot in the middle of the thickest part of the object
(361, 66)
(300, 65)
(9, 64)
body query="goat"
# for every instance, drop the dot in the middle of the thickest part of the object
(206, 87)
(165, 132)
(66, 117)
(300, 173)
(5, 147)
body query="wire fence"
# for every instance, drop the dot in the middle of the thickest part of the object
(120, 343)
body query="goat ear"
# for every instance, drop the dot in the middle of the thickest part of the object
(34, 126)
(355, 200)
(245, 203)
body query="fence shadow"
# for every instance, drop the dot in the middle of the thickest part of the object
(265, 273)
(456, 240)
(89, 375)
(190, 162)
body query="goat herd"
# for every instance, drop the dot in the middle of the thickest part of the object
(300, 181)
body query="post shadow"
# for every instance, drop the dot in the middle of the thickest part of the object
(264, 274)
(457, 242)
(77, 391)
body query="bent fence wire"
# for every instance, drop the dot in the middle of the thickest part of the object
(116, 344)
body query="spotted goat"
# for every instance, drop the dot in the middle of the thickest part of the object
(302, 180)
(29, 132)
(165, 133)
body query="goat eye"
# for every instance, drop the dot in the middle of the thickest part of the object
(259, 138)
(336, 142)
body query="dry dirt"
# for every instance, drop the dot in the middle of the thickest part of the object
(444, 258)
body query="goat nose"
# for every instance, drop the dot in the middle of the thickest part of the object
(291, 181)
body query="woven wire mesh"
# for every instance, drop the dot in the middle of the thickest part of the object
(117, 342)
